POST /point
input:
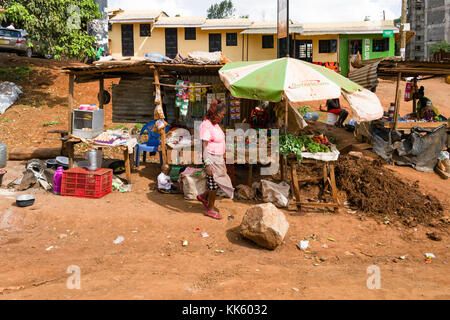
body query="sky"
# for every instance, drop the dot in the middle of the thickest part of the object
(266, 10)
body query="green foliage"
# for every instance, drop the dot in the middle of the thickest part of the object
(118, 126)
(443, 45)
(60, 25)
(51, 123)
(304, 110)
(139, 126)
(245, 16)
(292, 144)
(15, 74)
(222, 10)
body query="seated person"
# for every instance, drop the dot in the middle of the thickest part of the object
(334, 106)
(425, 108)
(165, 185)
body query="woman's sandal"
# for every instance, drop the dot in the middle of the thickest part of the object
(205, 202)
(213, 214)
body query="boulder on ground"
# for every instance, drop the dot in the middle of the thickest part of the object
(245, 192)
(265, 225)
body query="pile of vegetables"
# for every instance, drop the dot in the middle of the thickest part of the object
(292, 144)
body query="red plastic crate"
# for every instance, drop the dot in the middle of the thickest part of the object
(80, 182)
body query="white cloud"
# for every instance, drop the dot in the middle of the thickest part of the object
(301, 10)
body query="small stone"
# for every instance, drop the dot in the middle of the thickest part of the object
(295, 289)
(434, 236)
(316, 264)
(62, 236)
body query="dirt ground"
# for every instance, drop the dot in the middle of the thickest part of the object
(39, 243)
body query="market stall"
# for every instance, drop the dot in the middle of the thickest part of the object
(417, 71)
(292, 81)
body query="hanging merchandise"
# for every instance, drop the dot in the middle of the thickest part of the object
(235, 108)
(408, 89)
(210, 97)
(182, 100)
(198, 92)
(191, 92)
(220, 96)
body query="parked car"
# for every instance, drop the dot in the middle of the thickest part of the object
(15, 40)
(11, 40)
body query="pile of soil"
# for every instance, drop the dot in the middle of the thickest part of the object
(376, 192)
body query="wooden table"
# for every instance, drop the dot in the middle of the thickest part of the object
(192, 161)
(126, 155)
(410, 125)
(328, 179)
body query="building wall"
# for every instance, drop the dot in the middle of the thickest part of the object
(321, 57)
(157, 42)
(430, 20)
(344, 49)
(255, 50)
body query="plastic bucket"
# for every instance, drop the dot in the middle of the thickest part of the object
(332, 119)
(2, 173)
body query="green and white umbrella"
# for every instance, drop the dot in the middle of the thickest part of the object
(298, 81)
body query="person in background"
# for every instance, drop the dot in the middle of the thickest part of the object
(213, 139)
(165, 185)
(334, 106)
(11, 26)
(425, 108)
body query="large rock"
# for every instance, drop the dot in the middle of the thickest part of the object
(265, 225)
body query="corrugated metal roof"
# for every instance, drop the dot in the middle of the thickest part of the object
(226, 24)
(270, 27)
(356, 27)
(366, 76)
(273, 30)
(165, 22)
(137, 16)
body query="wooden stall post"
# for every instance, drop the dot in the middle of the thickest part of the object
(397, 100)
(285, 163)
(102, 92)
(414, 95)
(126, 158)
(163, 133)
(296, 186)
(70, 102)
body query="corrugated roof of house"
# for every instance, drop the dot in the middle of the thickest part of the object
(226, 24)
(270, 27)
(355, 27)
(180, 22)
(138, 16)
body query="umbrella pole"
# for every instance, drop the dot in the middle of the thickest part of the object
(285, 165)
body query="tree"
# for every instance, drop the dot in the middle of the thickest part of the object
(221, 10)
(443, 45)
(245, 16)
(60, 26)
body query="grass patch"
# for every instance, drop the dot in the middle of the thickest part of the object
(5, 119)
(119, 126)
(51, 123)
(14, 74)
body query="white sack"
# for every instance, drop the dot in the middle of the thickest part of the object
(365, 105)
(9, 93)
(206, 57)
(278, 194)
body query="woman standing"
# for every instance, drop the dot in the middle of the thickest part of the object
(213, 139)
